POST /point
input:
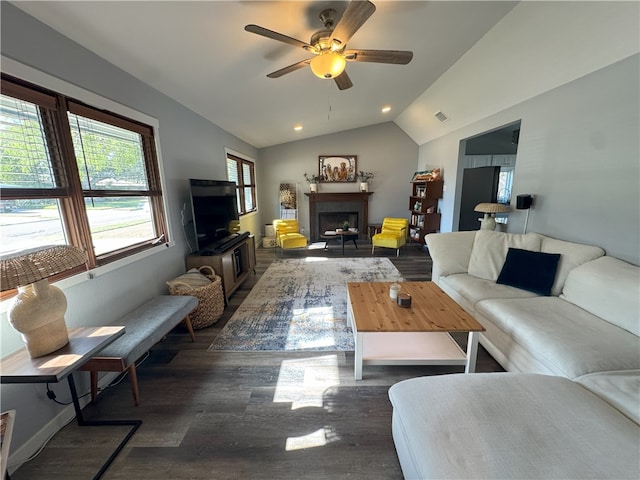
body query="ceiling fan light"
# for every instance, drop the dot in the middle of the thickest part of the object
(328, 65)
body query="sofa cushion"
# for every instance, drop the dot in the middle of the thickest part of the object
(507, 425)
(608, 288)
(532, 271)
(474, 289)
(292, 240)
(620, 388)
(490, 250)
(450, 252)
(573, 255)
(566, 339)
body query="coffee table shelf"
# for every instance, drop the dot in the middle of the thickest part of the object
(412, 349)
(386, 334)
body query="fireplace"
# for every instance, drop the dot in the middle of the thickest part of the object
(328, 211)
(333, 220)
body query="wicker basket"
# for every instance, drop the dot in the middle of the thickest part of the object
(209, 295)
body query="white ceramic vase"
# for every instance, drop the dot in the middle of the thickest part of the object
(313, 187)
(364, 186)
(37, 313)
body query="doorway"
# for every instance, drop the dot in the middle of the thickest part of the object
(487, 166)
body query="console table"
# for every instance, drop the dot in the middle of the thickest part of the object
(84, 343)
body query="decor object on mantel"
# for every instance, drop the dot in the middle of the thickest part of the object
(37, 312)
(490, 210)
(364, 178)
(312, 180)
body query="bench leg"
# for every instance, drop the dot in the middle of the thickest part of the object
(187, 322)
(93, 375)
(133, 376)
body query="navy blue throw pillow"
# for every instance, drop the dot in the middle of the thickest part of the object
(532, 271)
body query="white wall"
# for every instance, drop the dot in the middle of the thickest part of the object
(536, 47)
(578, 154)
(190, 146)
(383, 149)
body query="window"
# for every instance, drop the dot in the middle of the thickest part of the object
(70, 173)
(241, 172)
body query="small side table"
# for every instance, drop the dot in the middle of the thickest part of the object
(373, 229)
(84, 343)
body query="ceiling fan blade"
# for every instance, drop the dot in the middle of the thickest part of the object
(343, 81)
(265, 32)
(399, 57)
(289, 69)
(353, 18)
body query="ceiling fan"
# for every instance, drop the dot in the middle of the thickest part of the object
(329, 45)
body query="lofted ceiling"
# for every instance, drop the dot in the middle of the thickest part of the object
(198, 53)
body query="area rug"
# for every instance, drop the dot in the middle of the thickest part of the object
(301, 304)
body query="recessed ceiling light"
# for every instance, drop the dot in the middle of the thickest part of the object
(297, 128)
(386, 109)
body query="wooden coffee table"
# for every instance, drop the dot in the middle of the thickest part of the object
(387, 334)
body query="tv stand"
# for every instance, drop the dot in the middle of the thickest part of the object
(224, 244)
(233, 264)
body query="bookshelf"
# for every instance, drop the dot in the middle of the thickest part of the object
(423, 205)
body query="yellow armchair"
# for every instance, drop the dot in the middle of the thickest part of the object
(288, 235)
(393, 234)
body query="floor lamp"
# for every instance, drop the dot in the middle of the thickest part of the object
(524, 202)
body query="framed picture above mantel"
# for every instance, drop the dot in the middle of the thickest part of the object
(337, 168)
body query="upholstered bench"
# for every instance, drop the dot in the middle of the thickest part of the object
(144, 327)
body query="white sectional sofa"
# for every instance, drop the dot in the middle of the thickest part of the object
(579, 320)
(589, 323)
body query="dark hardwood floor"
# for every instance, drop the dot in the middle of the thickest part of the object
(246, 415)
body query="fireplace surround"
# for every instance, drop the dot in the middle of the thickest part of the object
(336, 208)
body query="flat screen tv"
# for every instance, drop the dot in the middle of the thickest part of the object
(213, 207)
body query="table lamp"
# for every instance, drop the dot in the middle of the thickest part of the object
(490, 210)
(37, 312)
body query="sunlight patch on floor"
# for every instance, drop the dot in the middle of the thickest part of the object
(316, 259)
(303, 317)
(315, 439)
(303, 381)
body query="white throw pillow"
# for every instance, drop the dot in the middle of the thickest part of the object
(490, 250)
(573, 255)
(609, 288)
